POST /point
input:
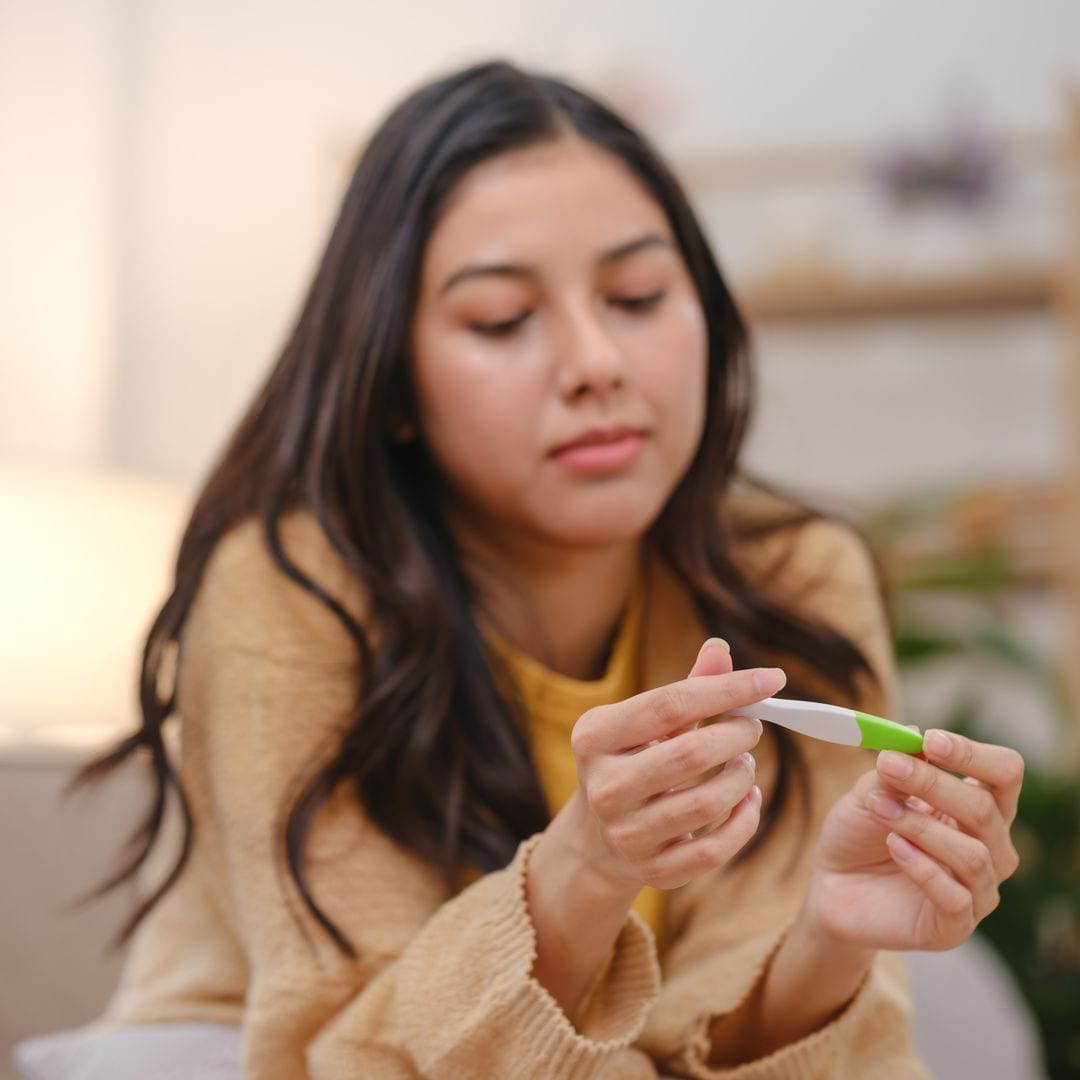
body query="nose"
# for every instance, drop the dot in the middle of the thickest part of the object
(589, 358)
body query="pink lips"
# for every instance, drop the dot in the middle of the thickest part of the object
(601, 450)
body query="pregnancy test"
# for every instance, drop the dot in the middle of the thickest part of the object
(837, 725)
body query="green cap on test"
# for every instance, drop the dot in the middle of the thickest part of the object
(881, 734)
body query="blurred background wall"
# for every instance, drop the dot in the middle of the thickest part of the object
(169, 170)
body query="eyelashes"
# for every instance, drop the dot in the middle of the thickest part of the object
(500, 329)
(506, 327)
(638, 303)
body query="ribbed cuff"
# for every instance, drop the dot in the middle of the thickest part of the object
(824, 1052)
(540, 1041)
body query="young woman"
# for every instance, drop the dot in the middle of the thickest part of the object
(462, 788)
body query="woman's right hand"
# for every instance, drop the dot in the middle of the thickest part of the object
(651, 779)
(648, 779)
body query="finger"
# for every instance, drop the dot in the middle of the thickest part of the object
(713, 659)
(974, 807)
(687, 859)
(620, 784)
(950, 898)
(659, 713)
(999, 768)
(965, 858)
(688, 756)
(677, 813)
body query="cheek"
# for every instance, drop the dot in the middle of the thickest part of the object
(474, 418)
(678, 382)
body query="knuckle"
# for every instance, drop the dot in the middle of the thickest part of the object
(715, 801)
(917, 825)
(687, 755)
(966, 752)
(653, 872)
(984, 810)
(603, 795)
(624, 835)
(697, 806)
(957, 904)
(707, 856)
(1012, 860)
(923, 871)
(701, 754)
(669, 706)
(928, 781)
(976, 861)
(679, 816)
(650, 873)
(583, 736)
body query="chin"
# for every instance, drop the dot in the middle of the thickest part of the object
(604, 527)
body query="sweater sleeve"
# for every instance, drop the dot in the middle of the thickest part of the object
(438, 987)
(727, 927)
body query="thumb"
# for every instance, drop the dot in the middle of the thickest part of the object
(714, 658)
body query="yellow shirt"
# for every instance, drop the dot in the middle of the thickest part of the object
(553, 702)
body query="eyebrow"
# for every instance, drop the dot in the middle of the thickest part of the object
(517, 270)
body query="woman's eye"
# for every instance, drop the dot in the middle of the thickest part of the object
(500, 329)
(638, 303)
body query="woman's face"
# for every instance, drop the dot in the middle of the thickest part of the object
(559, 349)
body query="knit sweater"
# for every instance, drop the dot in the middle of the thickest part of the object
(442, 987)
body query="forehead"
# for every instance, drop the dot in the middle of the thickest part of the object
(566, 195)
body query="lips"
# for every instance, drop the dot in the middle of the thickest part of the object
(600, 450)
(598, 437)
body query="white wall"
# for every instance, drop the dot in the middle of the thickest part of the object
(243, 109)
(244, 113)
(59, 120)
(752, 72)
(168, 170)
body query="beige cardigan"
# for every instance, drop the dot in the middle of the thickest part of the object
(442, 988)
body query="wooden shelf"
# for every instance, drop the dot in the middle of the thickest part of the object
(833, 298)
(780, 166)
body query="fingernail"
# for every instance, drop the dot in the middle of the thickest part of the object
(898, 766)
(769, 680)
(748, 760)
(754, 797)
(938, 743)
(880, 803)
(900, 847)
(717, 641)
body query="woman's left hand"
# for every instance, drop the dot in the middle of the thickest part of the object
(912, 856)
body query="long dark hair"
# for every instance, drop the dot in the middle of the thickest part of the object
(435, 750)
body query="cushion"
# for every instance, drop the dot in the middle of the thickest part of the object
(147, 1052)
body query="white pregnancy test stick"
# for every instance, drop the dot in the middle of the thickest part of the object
(835, 724)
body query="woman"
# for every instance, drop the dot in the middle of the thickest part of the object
(452, 807)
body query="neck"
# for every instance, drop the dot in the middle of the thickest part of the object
(562, 608)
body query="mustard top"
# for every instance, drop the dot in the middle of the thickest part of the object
(553, 702)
